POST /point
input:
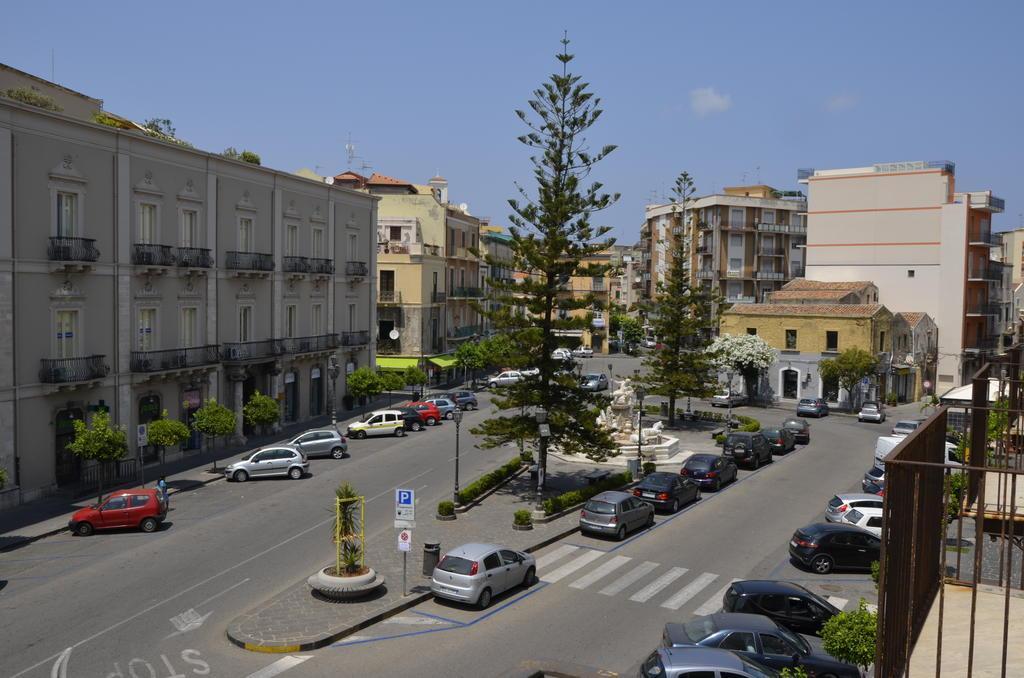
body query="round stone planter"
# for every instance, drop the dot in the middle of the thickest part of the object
(522, 528)
(446, 518)
(345, 588)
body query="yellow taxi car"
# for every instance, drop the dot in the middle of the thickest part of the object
(379, 423)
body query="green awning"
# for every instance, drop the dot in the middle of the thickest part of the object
(396, 363)
(443, 361)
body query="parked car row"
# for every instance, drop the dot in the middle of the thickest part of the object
(756, 448)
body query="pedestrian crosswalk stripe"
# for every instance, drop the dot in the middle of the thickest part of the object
(606, 568)
(647, 592)
(570, 567)
(714, 603)
(689, 591)
(630, 578)
(838, 602)
(560, 552)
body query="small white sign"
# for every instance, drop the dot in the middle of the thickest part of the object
(405, 540)
(142, 435)
(405, 524)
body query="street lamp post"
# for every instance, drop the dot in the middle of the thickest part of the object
(640, 393)
(332, 372)
(728, 416)
(543, 432)
(457, 418)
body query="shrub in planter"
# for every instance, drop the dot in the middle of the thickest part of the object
(566, 499)
(446, 508)
(522, 518)
(489, 480)
(748, 424)
(650, 467)
(720, 438)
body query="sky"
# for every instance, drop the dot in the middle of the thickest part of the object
(732, 92)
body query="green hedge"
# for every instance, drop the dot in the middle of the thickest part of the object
(489, 480)
(446, 508)
(522, 517)
(747, 424)
(573, 497)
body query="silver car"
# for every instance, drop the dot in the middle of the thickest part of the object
(841, 503)
(594, 382)
(274, 460)
(323, 443)
(475, 573)
(615, 513)
(691, 662)
(444, 406)
(871, 412)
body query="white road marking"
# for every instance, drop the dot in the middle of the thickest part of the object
(560, 552)
(414, 620)
(60, 667)
(686, 593)
(570, 567)
(189, 620)
(647, 592)
(837, 601)
(630, 578)
(606, 568)
(350, 639)
(280, 666)
(714, 603)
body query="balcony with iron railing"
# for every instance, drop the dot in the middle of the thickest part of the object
(413, 248)
(982, 344)
(174, 359)
(981, 309)
(63, 248)
(796, 272)
(984, 200)
(740, 299)
(147, 254)
(71, 370)
(389, 297)
(438, 297)
(321, 266)
(242, 351)
(706, 274)
(194, 257)
(702, 248)
(387, 346)
(771, 275)
(990, 271)
(985, 239)
(463, 331)
(356, 269)
(766, 251)
(311, 344)
(467, 293)
(293, 264)
(355, 338)
(249, 261)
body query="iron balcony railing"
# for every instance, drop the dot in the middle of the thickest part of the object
(240, 351)
(292, 264)
(173, 359)
(984, 309)
(356, 269)
(986, 240)
(389, 296)
(312, 344)
(740, 299)
(464, 331)
(389, 346)
(70, 370)
(985, 272)
(194, 257)
(249, 261)
(771, 251)
(702, 248)
(796, 272)
(771, 275)
(467, 293)
(120, 471)
(147, 254)
(355, 338)
(982, 344)
(438, 297)
(706, 273)
(63, 248)
(321, 266)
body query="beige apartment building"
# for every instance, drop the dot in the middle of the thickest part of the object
(926, 246)
(138, 276)
(496, 264)
(745, 243)
(1013, 253)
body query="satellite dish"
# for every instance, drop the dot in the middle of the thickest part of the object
(329, 181)
(393, 334)
(464, 207)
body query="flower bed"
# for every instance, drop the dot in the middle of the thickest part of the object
(488, 481)
(573, 497)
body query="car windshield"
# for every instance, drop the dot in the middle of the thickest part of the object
(807, 401)
(835, 502)
(771, 432)
(876, 472)
(793, 423)
(455, 565)
(604, 507)
(699, 463)
(595, 377)
(659, 480)
(736, 439)
(911, 425)
(700, 628)
(795, 640)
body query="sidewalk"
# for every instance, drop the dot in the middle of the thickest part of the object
(21, 525)
(296, 621)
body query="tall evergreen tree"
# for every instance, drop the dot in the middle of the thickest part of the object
(682, 317)
(551, 238)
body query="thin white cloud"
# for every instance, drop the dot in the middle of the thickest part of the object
(707, 101)
(841, 102)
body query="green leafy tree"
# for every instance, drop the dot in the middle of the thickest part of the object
(414, 376)
(848, 368)
(213, 420)
(166, 432)
(682, 316)
(470, 357)
(250, 157)
(261, 410)
(745, 354)
(99, 441)
(551, 237)
(632, 331)
(363, 383)
(497, 350)
(161, 126)
(391, 381)
(850, 636)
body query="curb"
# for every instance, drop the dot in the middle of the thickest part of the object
(464, 508)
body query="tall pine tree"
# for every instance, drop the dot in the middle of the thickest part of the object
(682, 317)
(551, 238)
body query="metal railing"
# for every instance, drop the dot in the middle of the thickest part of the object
(292, 264)
(62, 248)
(240, 351)
(740, 299)
(70, 370)
(984, 309)
(982, 344)
(796, 272)
(702, 248)
(464, 331)
(175, 358)
(356, 269)
(120, 471)
(985, 272)
(735, 274)
(249, 261)
(147, 254)
(355, 338)
(705, 274)
(321, 266)
(415, 248)
(438, 297)
(771, 251)
(986, 239)
(389, 346)
(389, 296)
(467, 293)
(194, 257)
(311, 344)
(771, 275)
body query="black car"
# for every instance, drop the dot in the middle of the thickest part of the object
(466, 400)
(749, 448)
(824, 547)
(710, 470)
(800, 428)
(791, 605)
(759, 638)
(780, 440)
(667, 491)
(412, 419)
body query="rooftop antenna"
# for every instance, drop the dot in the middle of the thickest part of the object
(758, 168)
(350, 150)
(52, 70)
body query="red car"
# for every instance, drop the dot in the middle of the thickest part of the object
(429, 414)
(142, 508)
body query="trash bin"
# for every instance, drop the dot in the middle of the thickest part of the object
(633, 466)
(534, 472)
(431, 556)
(664, 409)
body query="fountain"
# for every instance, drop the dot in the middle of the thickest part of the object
(621, 418)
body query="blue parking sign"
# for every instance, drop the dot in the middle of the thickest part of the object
(404, 498)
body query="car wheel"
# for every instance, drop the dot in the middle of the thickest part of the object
(718, 484)
(448, 415)
(240, 476)
(431, 421)
(417, 426)
(822, 564)
(756, 464)
(621, 534)
(400, 432)
(530, 577)
(675, 505)
(491, 385)
(360, 435)
(484, 601)
(337, 453)
(148, 525)
(295, 473)
(650, 519)
(471, 406)
(83, 529)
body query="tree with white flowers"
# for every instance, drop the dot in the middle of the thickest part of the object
(745, 354)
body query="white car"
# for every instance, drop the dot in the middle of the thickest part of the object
(649, 342)
(838, 505)
(871, 412)
(561, 354)
(506, 378)
(905, 427)
(727, 398)
(869, 519)
(583, 352)
(530, 372)
(379, 423)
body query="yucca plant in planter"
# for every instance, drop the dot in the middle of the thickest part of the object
(522, 520)
(349, 578)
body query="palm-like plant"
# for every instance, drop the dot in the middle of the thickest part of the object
(346, 530)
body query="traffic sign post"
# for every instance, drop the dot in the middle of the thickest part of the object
(405, 520)
(404, 544)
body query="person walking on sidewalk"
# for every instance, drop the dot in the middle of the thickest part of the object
(162, 486)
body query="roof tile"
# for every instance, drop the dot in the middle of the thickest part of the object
(805, 284)
(838, 310)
